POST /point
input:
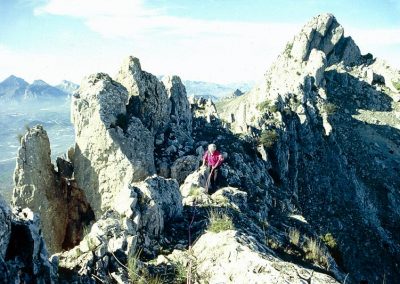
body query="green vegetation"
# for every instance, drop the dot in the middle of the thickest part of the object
(267, 105)
(396, 85)
(219, 221)
(268, 138)
(315, 253)
(329, 240)
(195, 191)
(133, 268)
(288, 49)
(330, 108)
(294, 236)
(180, 272)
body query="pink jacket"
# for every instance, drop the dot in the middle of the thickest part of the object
(214, 160)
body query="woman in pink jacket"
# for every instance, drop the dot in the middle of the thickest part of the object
(213, 159)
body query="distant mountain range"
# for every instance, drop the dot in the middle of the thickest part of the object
(17, 89)
(215, 91)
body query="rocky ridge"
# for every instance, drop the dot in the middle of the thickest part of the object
(293, 207)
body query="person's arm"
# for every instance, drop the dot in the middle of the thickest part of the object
(220, 160)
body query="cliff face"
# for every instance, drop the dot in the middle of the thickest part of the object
(328, 118)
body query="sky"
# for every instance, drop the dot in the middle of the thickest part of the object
(209, 40)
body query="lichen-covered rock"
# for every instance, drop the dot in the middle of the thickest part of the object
(148, 99)
(112, 148)
(35, 186)
(233, 257)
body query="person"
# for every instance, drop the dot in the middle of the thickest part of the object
(213, 159)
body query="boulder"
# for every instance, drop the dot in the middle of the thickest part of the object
(161, 201)
(194, 180)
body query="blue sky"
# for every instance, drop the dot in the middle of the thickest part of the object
(210, 40)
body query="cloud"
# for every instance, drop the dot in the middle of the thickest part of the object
(210, 50)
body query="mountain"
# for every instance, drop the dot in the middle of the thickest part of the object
(308, 189)
(67, 86)
(327, 120)
(12, 87)
(16, 89)
(213, 90)
(42, 91)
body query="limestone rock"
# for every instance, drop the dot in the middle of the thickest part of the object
(181, 116)
(230, 256)
(5, 227)
(322, 32)
(24, 257)
(35, 186)
(194, 180)
(162, 201)
(112, 149)
(230, 196)
(148, 99)
(184, 166)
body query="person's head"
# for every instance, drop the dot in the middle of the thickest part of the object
(212, 148)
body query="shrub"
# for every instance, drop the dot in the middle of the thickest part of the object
(315, 253)
(133, 268)
(330, 108)
(180, 272)
(288, 49)
(294, 236)
(329, 240)
(267, 105)
(195, 191)
(219, 221)
(396, 85)
(268, 138)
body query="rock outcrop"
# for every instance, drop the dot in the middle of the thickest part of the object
(181, 116)
(36, 188)
(113, 148)
(242, 259)
(324, 117)
(148, 99)
(54, 195)
(137, 219)
(23, 254)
